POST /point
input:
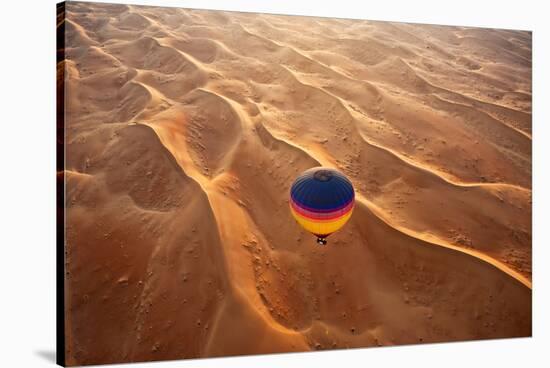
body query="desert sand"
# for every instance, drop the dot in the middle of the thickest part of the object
(185, 130)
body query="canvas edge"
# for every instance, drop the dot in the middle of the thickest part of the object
(60, 185)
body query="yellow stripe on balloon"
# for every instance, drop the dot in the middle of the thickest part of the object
(323, 227)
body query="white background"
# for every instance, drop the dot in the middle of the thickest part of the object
(27, 182)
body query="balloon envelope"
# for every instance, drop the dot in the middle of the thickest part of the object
(322, 200)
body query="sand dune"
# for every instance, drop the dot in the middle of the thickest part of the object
(185, 130)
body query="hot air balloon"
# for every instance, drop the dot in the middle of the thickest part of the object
(321, 201)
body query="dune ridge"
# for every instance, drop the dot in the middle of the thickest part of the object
(185, 130)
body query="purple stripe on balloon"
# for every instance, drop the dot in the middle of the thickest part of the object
(295, 200)
(321, 215)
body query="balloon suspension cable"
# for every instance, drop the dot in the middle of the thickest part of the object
(322, 241)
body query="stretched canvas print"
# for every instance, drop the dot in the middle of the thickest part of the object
(234, 183)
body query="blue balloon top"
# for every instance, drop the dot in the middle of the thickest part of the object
(322, 189)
